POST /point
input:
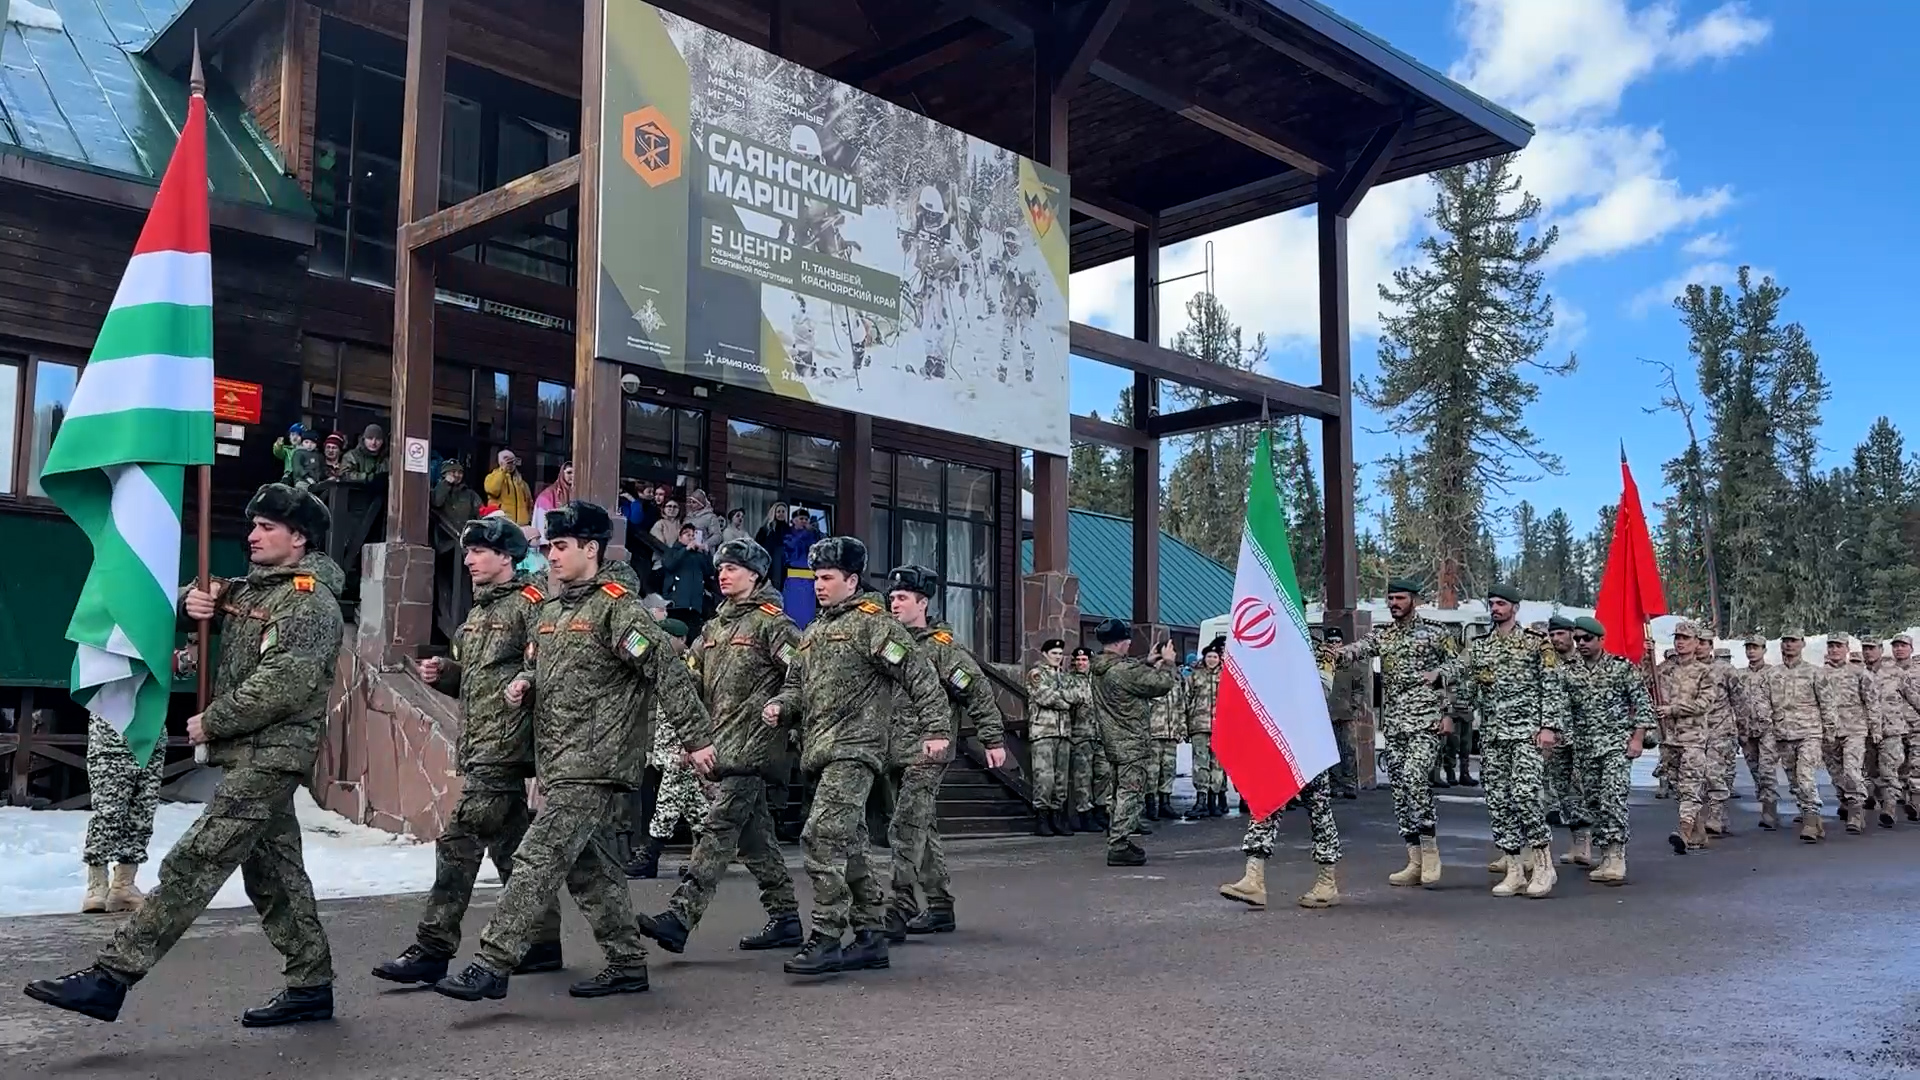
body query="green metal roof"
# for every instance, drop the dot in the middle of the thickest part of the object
(83, 97)
(1193, 588)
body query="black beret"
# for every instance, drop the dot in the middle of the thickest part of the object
(746, 554)
(1111, 631)
(295, 508)
(1560, 622)
(496, 534)
(842, 553)
(1504, 592)
(1334, 633)
(1218, 644)
(1080, 651)
(1051, 644)
(580, 520)
(1406, 585)
(913, 579)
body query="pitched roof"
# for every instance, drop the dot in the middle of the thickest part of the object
(1193, 588)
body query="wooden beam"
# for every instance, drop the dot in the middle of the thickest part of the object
(1204, 418)
(293, 81)
(1094, 429)
(780, 28)
(855, 481)
(1196, 105)
(596, 382)
(1336, 432)
(422, 109)
(528, 198)
(1118, 214)
(906, 54)
(1050, 477)
(471, 278)
(1257, 20)
(1362, 172)
(1084, 35)
(1143, 358)
(1146, 407)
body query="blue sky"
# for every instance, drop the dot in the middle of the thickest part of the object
(1677, 141)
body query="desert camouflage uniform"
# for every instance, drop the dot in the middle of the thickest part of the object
(1607, 701)
(1512, 684)
(1203, 689)
(495, 755)
(841, 691)
(1092, 769)
(1168, 727)
(1410, 711)
(1846, 705)
(1318, 795)
(1723, 736)
(1691, 689)
(1909, 676)
(1754, 716)
(125, 796)
(1894, 719)
(1793, 697)
(913, 836)
(1050, 700)
(1124, 693)
(280, 630)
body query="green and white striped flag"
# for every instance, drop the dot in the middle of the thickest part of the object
(142, 413)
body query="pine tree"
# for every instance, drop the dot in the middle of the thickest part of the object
(1100, 478)
(1599, 543)
(1467, 323)
(1207, 487)
(1889, 575)
(1306, 515)
(1562, 571)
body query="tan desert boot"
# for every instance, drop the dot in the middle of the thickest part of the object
(1251, 889)
(124, 895)
(1516, 880)
(1429, 860)
(1499, 865)
(1581, 854)
(1326, 889)
(1812, 828)
(1613, 866)
(1410, 874)
(95, 901)
(1544, 877)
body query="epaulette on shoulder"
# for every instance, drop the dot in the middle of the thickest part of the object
(870, 607)
(943, 637)
(533, 594)
(614, 589)
(303, 582)
(772, 609)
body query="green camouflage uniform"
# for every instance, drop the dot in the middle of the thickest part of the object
(280, 631)
(1168, 725)
(599, 664)
(1511, 681)
(1202, 690)
(1050, 700)
(1125, 691)
(1092, 770)
(1344, 705)
(1793, 697)
(1409, 712)
(840, 692)
(125, 795)
(1607, 700)
(495, 755)
(1565, 799)
(741, 659)
(913, 836)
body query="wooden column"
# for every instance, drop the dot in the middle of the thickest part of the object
(293, 83)
(1336, 433)
(1049, 470)
(596, 382)
(1146, 459)
(855, 514)
(422, 108)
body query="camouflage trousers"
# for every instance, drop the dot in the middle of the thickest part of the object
(1890, 768)
(1801, 760)
(1721, 756)
(740, 825)
(570, 842)
(1763, 765)
(913, 839)
(125, 795)
(834, 842)
(1688, 774)
(1083, 757)
(1410, 758)
(1514, 772)
(1208, 777)
(1843, 754)
(1318, 795)
(490, 821)
(1565, 792)
(1605, 780)
(1052, 768)
(1346, 775)
(1164, 762)
(683, 797)
(1129, 800)
(249, 824)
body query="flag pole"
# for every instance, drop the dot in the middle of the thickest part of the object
(203, 512)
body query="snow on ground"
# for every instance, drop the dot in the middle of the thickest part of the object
(41, 850)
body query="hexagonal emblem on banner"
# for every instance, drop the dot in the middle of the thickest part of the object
(651, 145)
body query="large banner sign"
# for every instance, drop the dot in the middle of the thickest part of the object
(764, 226)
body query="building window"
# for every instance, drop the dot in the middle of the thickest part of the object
(663, 444)
(940, 514)
(553, 432)
(10, 378)
(53, 386)
(35, 392)
(766, 465)
(345, 387)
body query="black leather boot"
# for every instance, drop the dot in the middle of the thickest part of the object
(868, 951)
(1063, 822)
(1152, 810)
(541, 956)
(1129, 855)
(647, 863)
(781, 932)
(415, 965)
(896, 926)
(1043, 822)
(611, 981)
(294, 1005)
(665, 929)
(820, 956)
(932, 921)
(1466, 778)
(90, 992)
(474, 982)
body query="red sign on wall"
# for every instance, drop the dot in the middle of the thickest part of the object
(236, 402)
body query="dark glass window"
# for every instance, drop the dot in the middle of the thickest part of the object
(940, 514)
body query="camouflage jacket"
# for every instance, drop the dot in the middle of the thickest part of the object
(1753, 713)
(280, 631)
(1086, 726)
(1724, 720)
(1349, 696)
(1408, 651)
(840, 687)
(1203, 690)
(1511, 681)
(490, 651)
(1793, 695)
(1894, 700)
(1607, 700)
(1124, 690)
(740, 659)
(600, 663)
(358, 464)
(969, 696)
(663, 748)
(1846, 700)
(1168, 717)
(1050, 702)
(1691, 691)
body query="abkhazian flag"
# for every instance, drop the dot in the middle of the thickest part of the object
(1271, 730)
(142, 413)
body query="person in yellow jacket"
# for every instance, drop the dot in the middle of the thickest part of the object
(509, 490)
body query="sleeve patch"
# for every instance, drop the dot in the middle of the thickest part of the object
(943, 637)
(303, 582)
(614, 589)
(960, 679)
(635, 644)
(772, 609)
(893, 652)
(531, 652)
(786, 654)
(533, 595)
(269, 639)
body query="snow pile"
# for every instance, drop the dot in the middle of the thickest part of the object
(41, 850)
(28, 13)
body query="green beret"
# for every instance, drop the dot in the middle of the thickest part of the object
(1591, 625)
(1559, 622)
(1405, 585)
(674, 628)
(1504, 592)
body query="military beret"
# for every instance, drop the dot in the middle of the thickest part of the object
(746, 554)
(1591, 625)
(495, 534)
(1405, 585)
(293, 507)
(1080, 651)
(1560, 622)
(674, 628)
(1051, 644)
(913, 579)
(1903, 639)
(1757, 639)
(1793, 633)
(580, 520)
(1217, 645)
(843, 553)
(1335, 634)
(1111, 631)
(1504, 592)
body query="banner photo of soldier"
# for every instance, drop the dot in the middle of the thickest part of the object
(765, 226)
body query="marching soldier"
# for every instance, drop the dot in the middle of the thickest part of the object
(842, 692)
(125, 795)
(1794, 690)
(1124, 693)
(1893, 718)
(494, 755)
(1608, 714)
(1845, 708)
(1755, 720)
(1257, 845)
(1723, 732)
(1050, 697)
(1092, 771)
(1566, 803)
(280, 630)
(1209, 782)
(740, 660)
(599, 663)
(1689, 691)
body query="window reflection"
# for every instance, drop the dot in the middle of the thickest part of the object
(53, 386)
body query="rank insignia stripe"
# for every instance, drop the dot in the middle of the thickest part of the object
(614, 589)
(772, 609)
(943, 637)
(303, 582)
(870, 607)
(533, 594)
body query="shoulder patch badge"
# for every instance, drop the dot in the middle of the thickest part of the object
(635, 644)
(772, 609)
(943, 637)
(960, 679)
(269, 639)
(870, 607)
(614, 589)
(303, 582)
(533, 595)
(893, 652)
(786, 654)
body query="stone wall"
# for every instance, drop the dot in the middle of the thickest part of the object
(388, 758)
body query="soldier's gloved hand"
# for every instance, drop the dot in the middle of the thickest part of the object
(703, 760)
(517, 691)
(996, 756)
(201, 605)
(771, 714)
(430, 670)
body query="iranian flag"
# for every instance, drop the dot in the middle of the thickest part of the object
(1271, 730)
(142, 413)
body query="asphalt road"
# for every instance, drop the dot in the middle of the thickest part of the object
(1761, 958)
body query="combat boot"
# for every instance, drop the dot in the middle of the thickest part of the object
(415, 965)
(1063, 823)
(95, 902)
(1769, 816)
(868, 952)
(1429, 860)
(294, 1005)
(1544, 877)
(1466, 777)
(1409, 874)
(821, 956)
(646, 865)
(1220, 804)
(1697, 840)
(895, 926)
(934, 920)
(665, 929)
(1812, 828)
(1043, 822)
(474, 982)
(540, 957)
(122, 893)
(1613, 866)
(1326, 889)
(1128, 854)
(1251, 889)
(1581, 853)
(1680, 839)
(1856, 816)
(1714, 824)
(781, 932)
(1499, 865)
(1886, 811)
(611, 981)
(1441, 778)
(91, 992)
(1913, 812)
(1516, 879)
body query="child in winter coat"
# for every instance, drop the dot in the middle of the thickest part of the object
(300, 460)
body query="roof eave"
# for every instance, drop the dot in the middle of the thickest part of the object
(92, 185)
(172, 48)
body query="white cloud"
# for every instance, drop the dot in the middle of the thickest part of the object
(1663, 294)
(1707, 246)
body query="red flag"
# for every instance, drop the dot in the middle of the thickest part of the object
(1630, 592)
